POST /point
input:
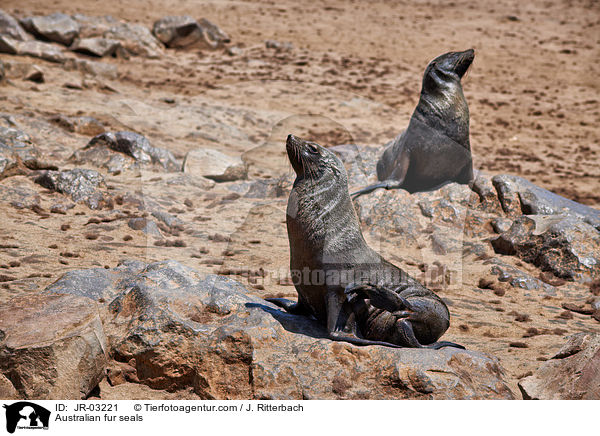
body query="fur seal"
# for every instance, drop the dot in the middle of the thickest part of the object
(340, 280)
(435, 148)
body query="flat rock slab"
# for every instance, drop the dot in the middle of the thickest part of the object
(99, 47)
(572, 374)
(518, 195)
(37, 49)
(185, 329)
(52, 346)
(213, 164)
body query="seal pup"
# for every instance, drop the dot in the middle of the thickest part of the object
(435, 149)
(359, 296)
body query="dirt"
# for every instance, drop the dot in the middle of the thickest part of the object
(352, 76)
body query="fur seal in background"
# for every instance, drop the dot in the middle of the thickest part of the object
(344, 284)
(435, 149)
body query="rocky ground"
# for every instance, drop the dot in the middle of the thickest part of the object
(518, 267)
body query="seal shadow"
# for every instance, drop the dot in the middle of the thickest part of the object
(298, 324)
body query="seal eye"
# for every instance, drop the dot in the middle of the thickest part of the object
(312, 148)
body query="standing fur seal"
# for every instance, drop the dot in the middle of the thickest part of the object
(340, 280)
(435, 149)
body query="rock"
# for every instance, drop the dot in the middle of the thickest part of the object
(90, 27)
(187, 330)
(52, 346)
(177, 31)
(10, 27)
(92, 68)
(96, 46)
(562, 244)
(277, 45)
(213, 35)
(18, 192)
(88, 126)
(35, 74)
(81, 185)
(17, 153)
(214, 165)
(2, 72)
(520, 196)
(572, 374)
(147, 226)
(57, 27)
(135, 39)
(184, 31)
(38, 49)
(134, 150)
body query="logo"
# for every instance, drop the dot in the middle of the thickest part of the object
(26, 415)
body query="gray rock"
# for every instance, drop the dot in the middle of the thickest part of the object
(52, 346)
(90, 27)
(562, 244)
(57, 27)
(2, 72)
(38, 49)
(213, 34)
(278, 45)
(572, 374)
(10, 27)
(189, 330)
(213, 164)
(135, 149)
(81, 185)
(96, 46)
(147, 226)
(17, 152)
(92, 68)
(521, 196)
(135, 39)
(177, 31)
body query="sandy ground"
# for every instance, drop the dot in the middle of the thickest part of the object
(353, 76)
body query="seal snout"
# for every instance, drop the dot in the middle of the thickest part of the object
(464, 61)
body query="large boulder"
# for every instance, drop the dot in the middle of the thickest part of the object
(562, 244)
(51, 346)
(182, 329)
(118, 151)
(37, 49)
(213, 164)
(82, 185)
(572, 374)
(10, 27)
(57, 27)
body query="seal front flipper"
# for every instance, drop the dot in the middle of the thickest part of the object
(295, 308)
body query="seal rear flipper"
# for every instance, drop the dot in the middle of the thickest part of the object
(442, 344)
(344, 337)
(293, 307)
(388, 184)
